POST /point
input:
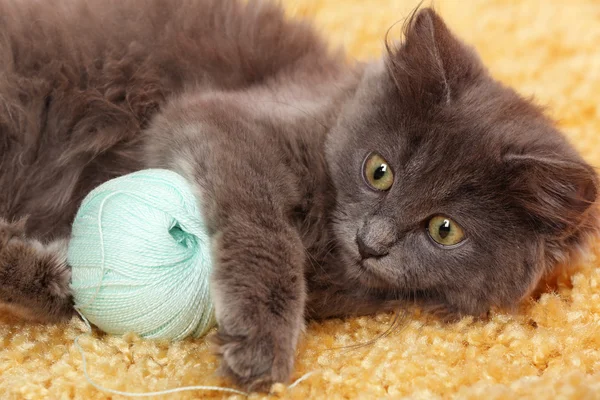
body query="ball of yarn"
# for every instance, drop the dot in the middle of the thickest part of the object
(140, 258)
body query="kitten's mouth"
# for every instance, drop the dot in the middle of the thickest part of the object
(366, 266)
(365, 270)
(369, 274)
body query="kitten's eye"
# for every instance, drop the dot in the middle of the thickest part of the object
(377, 172)
(445, 231)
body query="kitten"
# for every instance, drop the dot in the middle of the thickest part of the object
(330, 189)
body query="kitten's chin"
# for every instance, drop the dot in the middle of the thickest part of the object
(367, 274)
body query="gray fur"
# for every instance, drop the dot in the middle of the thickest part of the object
(273, 129)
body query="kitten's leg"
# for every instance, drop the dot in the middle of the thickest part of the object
(34, 278)
(259, 295)
(248, 195)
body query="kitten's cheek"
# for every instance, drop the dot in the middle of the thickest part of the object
(346, 236)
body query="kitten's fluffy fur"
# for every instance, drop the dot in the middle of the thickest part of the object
(273, 130)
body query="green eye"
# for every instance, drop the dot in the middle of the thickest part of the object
(445, 231)
(377, 172)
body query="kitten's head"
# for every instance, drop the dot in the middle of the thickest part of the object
(450, 185)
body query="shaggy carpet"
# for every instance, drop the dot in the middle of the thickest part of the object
(549, 349)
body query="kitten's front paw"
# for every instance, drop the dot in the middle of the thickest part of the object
(34, 278)
(255, 363)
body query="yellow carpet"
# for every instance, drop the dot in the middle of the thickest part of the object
(550, 349)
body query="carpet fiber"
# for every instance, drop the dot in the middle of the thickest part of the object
(549, 349)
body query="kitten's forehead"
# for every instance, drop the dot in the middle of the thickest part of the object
(456, 153)
(478, 127)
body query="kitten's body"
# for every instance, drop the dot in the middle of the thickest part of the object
(244, 104)
(82, 80)
(75, 109)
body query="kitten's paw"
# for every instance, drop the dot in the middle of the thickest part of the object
(34, 278)
(255, 363)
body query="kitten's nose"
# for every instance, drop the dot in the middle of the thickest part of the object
(375, 237)
(367, 252)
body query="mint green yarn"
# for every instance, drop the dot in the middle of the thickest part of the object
(140, 255)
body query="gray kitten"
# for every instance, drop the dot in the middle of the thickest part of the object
(330, 189)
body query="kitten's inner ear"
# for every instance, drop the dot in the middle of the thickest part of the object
(556, 194)
(431, 65)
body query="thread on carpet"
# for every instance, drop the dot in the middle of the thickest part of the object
(140, 257)
(161, 392)
(397, 325)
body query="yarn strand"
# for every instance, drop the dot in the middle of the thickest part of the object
(161, 392)
(145, 394)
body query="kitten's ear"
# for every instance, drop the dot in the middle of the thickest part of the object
(431, 65)
(556, 194)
